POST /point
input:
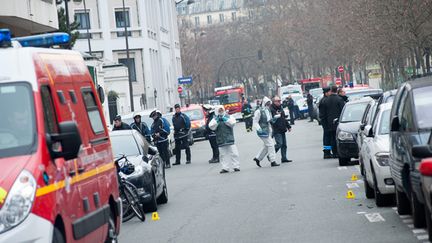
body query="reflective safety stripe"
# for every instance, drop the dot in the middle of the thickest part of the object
(61, 184)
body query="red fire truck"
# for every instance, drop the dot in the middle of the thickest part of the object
(231, 98)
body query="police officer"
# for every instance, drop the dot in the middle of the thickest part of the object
(160, 129)
(210, 134)
(141, 127)
(181, 123)
(247, 115)
(325, 126)
(333, 107)
(119, 125)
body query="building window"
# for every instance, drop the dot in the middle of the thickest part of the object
(130, 65)
(83, 20)
(234, 4)
(221, 4)
(197, 21)
(221, 18)
(209, 19)
(251, 14)
(122, 19)
(234, 16)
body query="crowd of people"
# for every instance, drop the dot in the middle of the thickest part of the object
(268, 120)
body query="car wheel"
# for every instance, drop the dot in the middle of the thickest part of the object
(369, 191)
(380, 199)
(428, 221)
(57, 236)
(418, 211)
(163, 198)
(402, 203)
(151, 206)
(344, 161)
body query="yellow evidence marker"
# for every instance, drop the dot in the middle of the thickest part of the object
(354, 177)
(155, 216)
(3, 194)
(350, 194)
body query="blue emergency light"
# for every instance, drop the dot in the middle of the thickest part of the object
(44, 40)
(5, 38)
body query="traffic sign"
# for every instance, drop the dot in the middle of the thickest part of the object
(185, 80)
(341, 69)
(180, 89)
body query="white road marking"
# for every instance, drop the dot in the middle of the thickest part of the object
(342, 167)
(352, 185)
(419, 231)
(404, 216)
(374, 217)
(423, 237)
(407, 221)
(411, 226)
(361, 212)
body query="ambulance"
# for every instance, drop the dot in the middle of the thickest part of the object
(58, 182)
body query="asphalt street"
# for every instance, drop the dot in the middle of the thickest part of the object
(302, 201)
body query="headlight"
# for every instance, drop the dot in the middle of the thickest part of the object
(345, 136)
(383, 159)
(18, 202)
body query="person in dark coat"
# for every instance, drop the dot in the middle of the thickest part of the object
(141, 127)
(247, 115)
(210, 134)
(280, 126)
(342, 94)
(309, 101)
(160, 129)
(325, 126)
(182, 125)
(119, 125)
(290, 104)
(333, 106)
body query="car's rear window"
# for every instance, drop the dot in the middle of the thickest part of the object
(195, 114)
(124, 144)
(423, 106)
(353, 112)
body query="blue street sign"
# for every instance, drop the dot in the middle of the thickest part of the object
(185, 80)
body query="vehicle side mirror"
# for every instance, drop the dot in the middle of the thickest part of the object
(69, 139)
(369, 132)
(362, 127)
(422, 151)
(145, 158)
(152, 150)
(336, 121)
(101, 94)
(395, 125)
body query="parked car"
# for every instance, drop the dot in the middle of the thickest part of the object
(411, 124)
(198, 120)
(376, 155)
(355, 94)
(365, 125)
(145, 117)
(346, 132)
(301, 105)
(149, 174)
(425, 169)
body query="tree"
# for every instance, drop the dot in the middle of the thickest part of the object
(63, 26)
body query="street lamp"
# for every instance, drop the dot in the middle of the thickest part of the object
(128, 56)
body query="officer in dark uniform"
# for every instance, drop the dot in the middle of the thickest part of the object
(333, 106)
(160, 130)
(141, 127)
(181, 123)
(210, 134)
(326, 127)
(247, 115)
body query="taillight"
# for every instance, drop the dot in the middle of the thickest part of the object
(426, 167)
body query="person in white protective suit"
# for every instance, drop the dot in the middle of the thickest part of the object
(261, 121)
(223, 125)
